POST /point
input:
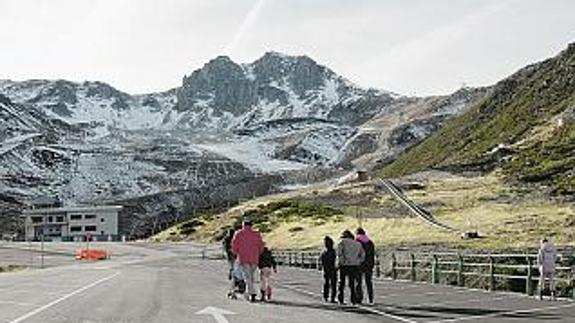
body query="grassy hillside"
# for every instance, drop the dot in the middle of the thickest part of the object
(506, 218)
(504, 129)
(523, 131)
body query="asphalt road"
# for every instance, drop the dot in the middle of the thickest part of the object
(172, 283)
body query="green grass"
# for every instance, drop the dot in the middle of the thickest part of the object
(11, 268)
(517, 106)
(552, 160)
(268, 216)
(506, 219)
(265, 217)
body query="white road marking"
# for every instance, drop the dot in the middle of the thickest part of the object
(465, 301)
(18, 303)
(416, 295)
(527, 311)
(33, 290)
(63, 298)
(217, 313)
(365, 308)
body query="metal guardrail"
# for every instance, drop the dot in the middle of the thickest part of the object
(209, 252)
(459, 267)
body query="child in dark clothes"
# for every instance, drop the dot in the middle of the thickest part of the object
(329, 270)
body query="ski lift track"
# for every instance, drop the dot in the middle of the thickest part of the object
(413, 207)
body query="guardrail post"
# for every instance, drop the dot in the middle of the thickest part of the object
(491, 274)
(393, 266)
(529, 279)
(319, 264)
(311, 261)
(412, 267)
(302, 259)
(204, 253)
(460, 277)
(435, 270)
(573, 281)
(377, 265)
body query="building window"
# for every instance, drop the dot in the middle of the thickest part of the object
(89, 216)
(102, 220)
(59, 219)
(90, 228)
(76, 217)
(50, 219)
(37, 219)
(75, 229)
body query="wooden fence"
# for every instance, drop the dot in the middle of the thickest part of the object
(516, 272)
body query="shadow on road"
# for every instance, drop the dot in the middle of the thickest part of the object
(323, 307)
(419, 312)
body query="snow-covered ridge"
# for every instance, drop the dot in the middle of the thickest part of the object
(222, 95)
(91, 102)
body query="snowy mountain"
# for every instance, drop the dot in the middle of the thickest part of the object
(222, 95)
(151, 169)
(308, 110)
(95, 103)
(230, 131)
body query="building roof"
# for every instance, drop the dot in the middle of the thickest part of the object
(44, 200)
(73, 209)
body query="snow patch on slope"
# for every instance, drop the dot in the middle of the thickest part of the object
(255, 154)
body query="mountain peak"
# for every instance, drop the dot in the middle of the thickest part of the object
(278, 56)
(274, 54)
(221, 58)
(218, 62)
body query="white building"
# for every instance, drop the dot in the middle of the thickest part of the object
(72, 223)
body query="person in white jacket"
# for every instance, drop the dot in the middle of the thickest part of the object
(546, 258)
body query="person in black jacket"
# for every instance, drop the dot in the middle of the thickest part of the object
(227, 246)
(366, 267)
(266, 264)
(328, 258)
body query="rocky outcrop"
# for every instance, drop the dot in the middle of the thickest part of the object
(404, 123)
(227, 126)
(276, 86)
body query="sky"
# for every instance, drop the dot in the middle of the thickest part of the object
(411, 47)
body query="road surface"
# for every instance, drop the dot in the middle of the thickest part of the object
(172, 283)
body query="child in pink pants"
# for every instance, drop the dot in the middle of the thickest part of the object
(266, 265)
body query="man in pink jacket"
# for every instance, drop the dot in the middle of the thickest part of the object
(247, 246)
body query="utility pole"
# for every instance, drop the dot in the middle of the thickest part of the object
(30, 252)
(42, 248)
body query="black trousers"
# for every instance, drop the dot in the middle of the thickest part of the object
(367, 275)
(329, 284)
(350, 273)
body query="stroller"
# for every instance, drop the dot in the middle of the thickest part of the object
(238, 282)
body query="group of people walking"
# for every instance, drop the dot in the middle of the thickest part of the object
(354, 257)
(246, 253)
